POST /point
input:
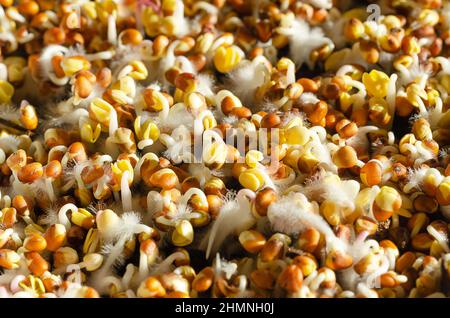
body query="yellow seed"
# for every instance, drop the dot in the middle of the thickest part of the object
(28, 116)
(443, 192)
(204, 42)
(118, 169)
(253, 157)
(428, 17)
(16, 68)
(100, 110)
(147, 130)
(90, 134)
(139, 72)
(379, 111)
(354, 29)
(376, 83)
(345, 101)
(251, 179)
(252, 241)
(6, 92)
(91, 242)
(151, 287)
(93, 261)
(9, 259)
(74, 64)
(226, 58)
(297, 135)
(183, 234)
(414, 91)
(154, 100)
(216, 154)
(83, 218)
(106, 220)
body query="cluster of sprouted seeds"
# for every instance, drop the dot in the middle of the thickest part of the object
(100, 196)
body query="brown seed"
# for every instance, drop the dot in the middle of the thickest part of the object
(404, 262)
(307, 263)
(365, 223)
(104, 77)
(422, 242)
(131, 36)
(316, 112)
(345, 157)
(262, 278)
(270, 120)
(400, 236)
(227, 105)
(199, 60)
(28, 7)
(9, 217)
(83, 87)
(77, 151)
(164, 179)
(263, 199)
(309, 85)
(272, 250)
(331, 91)
(346, 129)
(337, 260)
(30, 172)
(241, 112)
(36, 263)
(54, 36)
(215, 203)
(370, 173)
(291, 279)
(35, 243)
(53, 169)
(309, 240)
(203, 281)
(252, 241)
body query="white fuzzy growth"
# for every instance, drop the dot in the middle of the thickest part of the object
(182, 25)
(9, 143)
(360, 140)
(46, 62)
(416, 177)
(293, 214)
(178, 144)
(50, 216)
(234, 217)
(127, 227)
(303, 40)
(324, 186)
(9, 112)
(123, 231)
(178, 115)
(415, 72)
(205, 85)
(245, 79)
(232, 120)
(308, 98)
(334, 26)
(224, 267)
(70, 116)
